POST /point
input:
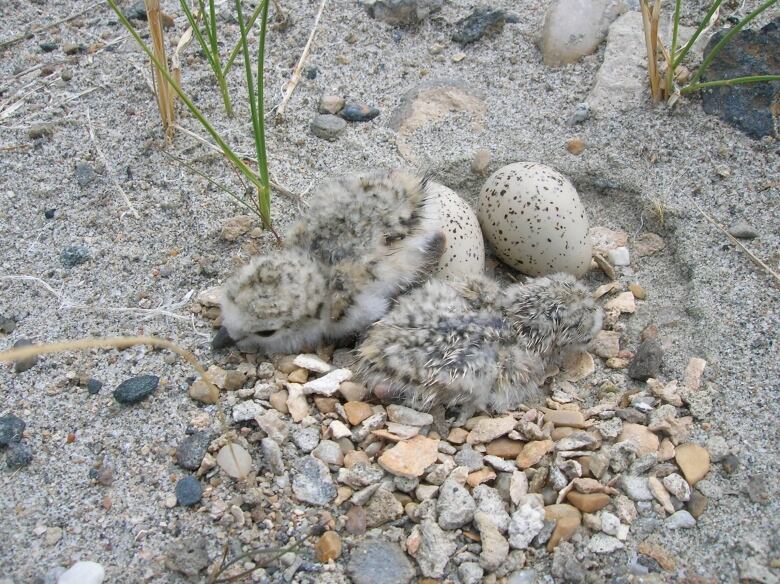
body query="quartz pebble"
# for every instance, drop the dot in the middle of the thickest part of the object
(619, 257)
(83, 572)
(526, 521)
(694, 462)
(234, 460)
(328, 384)
(601, 543)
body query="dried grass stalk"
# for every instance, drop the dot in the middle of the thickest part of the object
(162, 88)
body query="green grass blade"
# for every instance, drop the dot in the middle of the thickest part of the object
(670, 66)
(264, 196)
(237, 48)
(250, 175)
(702, 25)
(727, 37)
(728, 82)
(212, 23)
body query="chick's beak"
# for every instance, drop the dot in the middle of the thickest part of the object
(222, 339)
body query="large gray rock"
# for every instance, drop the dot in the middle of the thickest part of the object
(379, 562)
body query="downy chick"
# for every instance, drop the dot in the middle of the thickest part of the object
(469, 342)
(365, 239)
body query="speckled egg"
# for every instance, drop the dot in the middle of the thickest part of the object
(465, 253)
(534, 219)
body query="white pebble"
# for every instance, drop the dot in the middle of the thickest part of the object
(619, 256)
(312, 363)
(680, 520)
(234, 460)
(327, 384)
(609, 523)
(83, 573)
(339, 430)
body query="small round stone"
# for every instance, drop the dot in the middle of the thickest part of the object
(358, 112)
(188, 491)
(19, 455)
(74, 255)
(94, 386)
(136, 389)
(327, 126)
(11, 429)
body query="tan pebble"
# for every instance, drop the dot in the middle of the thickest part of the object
(571, 418)
(697, 504)
(343, 493)
(357, 411)
(300, 375)
(481, 476)
(328, 547)
(279, 401)
(204, 392)
(286, 364)
(661, 494)
(235, 227)
(296, 402)
(410, 458)
(588, 503)
(567, 519)
(353, 391)
(533, 453)
(458, 57)
(331, 104)
(661, 555)
(575, 146)
(457, 436)
(326, 405)
(694, 461)
(354, 457)
(637, 290)
(606, 344)
(578, 365)
(339, 430)
(505, 448)
(561, 432)
(488, 429)
(693, 373)
(480, 161)
(666, 450)
(645, 441)
(234, 460)
(617, 363)
(623, 303)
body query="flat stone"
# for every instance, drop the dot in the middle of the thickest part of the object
(481, 476)
(505, 448)
(488, 429)
(379, 562)
(357, 412)
(382, 508)
(408, 416)
(680, 520)
(636, 488)
(327, 126)
(358, 112)
(518, 486)
(136, 389)
(623, 303)
(606, 344)
(588, 503)
(234, 460)
(353, 391)
(19, 455)
(647, 361)
(648, 244)
(74, 255)
(743, 230)
(644, 440)
(410, 458)
(272, 456)
(83, 572)
(328, 384)
(533, 453)
(435, 549)
(312, 362)
(191, 450)
(235, 227)
(527, 521)
(455, 507)
(601, 543)
(694, 461)
(578, 365)
(693, 373)
(188, 555)
(567, 519)
(677, 486)
(246, 410)
(329, 452)
(495, 548)
(311, 481)
(296, 402)
(278, 428)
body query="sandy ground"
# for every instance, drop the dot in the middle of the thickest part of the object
(708, 299)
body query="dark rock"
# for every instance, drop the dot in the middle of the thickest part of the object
(749, 106)
(84, 174)
(189, 556)
(37, 131)
(23, 365)
(7, 325)
(11, 429)
(758, 489)
(191, 450)
(730, 464)
(66, 74)
(327, 126)
(402, 12)
(647, 362)
(358, 112)
(188, 491)
(631, 415)
(73, 48)
(379, 562)
(742, 230)
(136, 389)
(19, 455)
(94, 386)
(697, 504)
(48, 46)
(310, 72)
(480, 22)
(137, 11)
(74, 255)
(49, 213)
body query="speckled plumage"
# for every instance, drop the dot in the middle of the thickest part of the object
(365, 239)
(470, 342)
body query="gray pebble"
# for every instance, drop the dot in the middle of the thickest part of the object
(136, 389)
(741, 230)
(11, 429)
(191, 450)
(470, 573)
(188, 491)
(455, 506)
(469, 458)
(94, 386)
(19, 455)
(74, 255)
(680, 520)
(647, 362)
(23, 365)
(306, 438)
(272, 455)
(7, 325)
(379, 562)
(480, 22)
(312, 482)
(579, 115)
(84, 174)
(358, 112)
(327, 126)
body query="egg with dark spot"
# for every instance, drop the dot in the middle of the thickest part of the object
(533, 218)
(465, 252)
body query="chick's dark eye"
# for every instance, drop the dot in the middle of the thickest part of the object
(264, 333)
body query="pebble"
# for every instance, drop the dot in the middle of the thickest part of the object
(606, 344)
(7, 325)
(327, 126)
(677, 486)
(455, 506)
(83, 572)
(298, 376)
(355, 523)
(188, 555)
(741, 230)
(328, 547)
(38, 131)
(527, 521)
(94, 386)
(636, 488)
(74, 255)
(379, 562)
(296, 402)
(246, 410)
(619, 257)
(435, 549)
(408, 416)
(495, 548)
(580, 114)
(694, 461)
(499, 463)
(469, 458)
(204, 392)
(488, 429)
(188, 491)
(402, 12)
(567, 519)
(505, 448)
(353, 391)
(191, 450)
(623, 303)
(578, 440)
(697, 504)
(680, 520)
(693, 373)
(272, 456)
(358, 112)
(306, 438)
(480, 161)
(312, 482)
(588, 502)
(136, 389)
(644, 440)
(84, 174)
(533, 453)
(480, 22)
(22, 365)
(234, 460)
(11, 429)
(275, 426)
(312, 363)
(410, 458)
(278, 401)
(328, 384)
(235, 227)
(489, 503)
(647, 361)
(730, 464)
(573, 29)
(331, 104)
(19, 455)
(470, 573)
(601, 543)
(357, 412)
(329, 452)
(575, 146)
